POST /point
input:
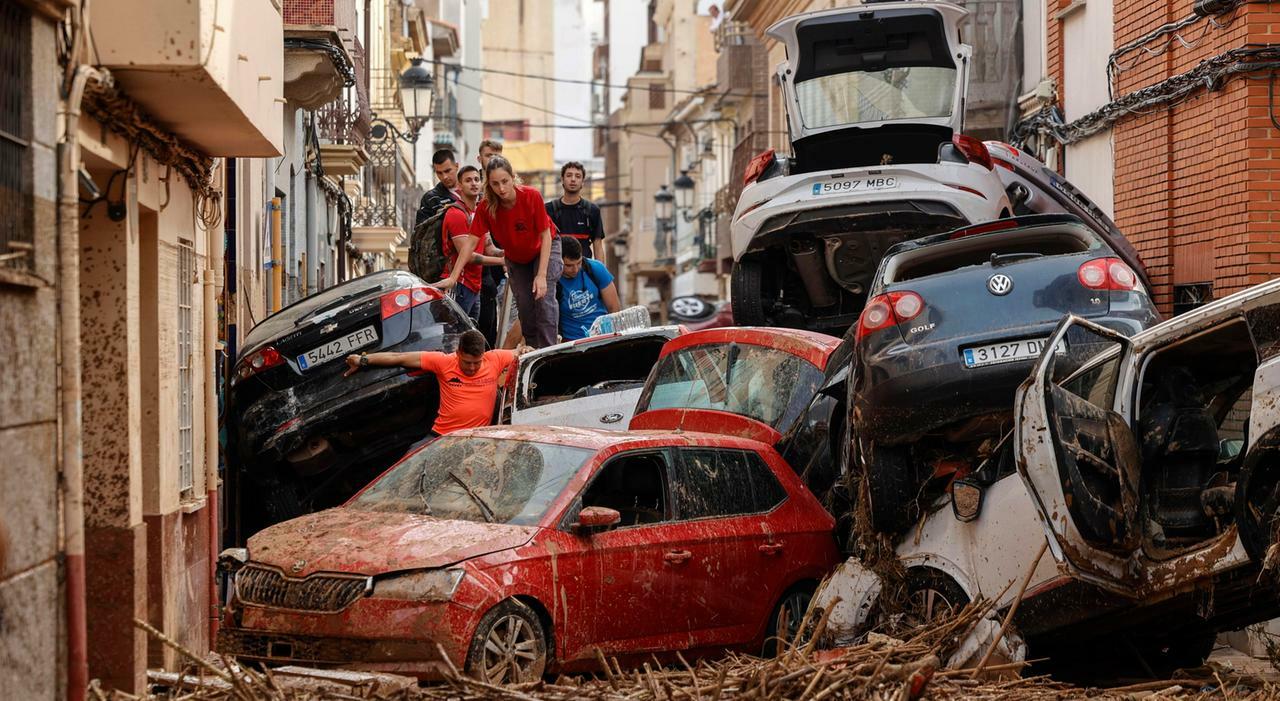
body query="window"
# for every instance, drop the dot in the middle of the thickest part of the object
(720, 483)
(635, 486)
(186, 402)
(1189, 296)
(907, 92)
(17, 241)
(657, 97)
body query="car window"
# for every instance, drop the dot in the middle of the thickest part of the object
(980, 249)
(476, 479)
(635, 485)
(589, 370)
(766, 384)
(907, 92)
(722, 483)
(282, 322)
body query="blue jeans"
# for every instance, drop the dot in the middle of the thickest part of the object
(468, 300)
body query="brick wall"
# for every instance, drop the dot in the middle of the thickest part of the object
(1197, 186)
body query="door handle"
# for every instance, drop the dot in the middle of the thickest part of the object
(676, 557)
(770, 548)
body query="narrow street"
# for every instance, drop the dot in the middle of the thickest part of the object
(639, 349)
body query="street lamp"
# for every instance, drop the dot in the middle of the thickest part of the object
(664, 214)
(684, 194)
(417, 93)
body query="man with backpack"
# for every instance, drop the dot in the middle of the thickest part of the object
(586, 291)
(461, 250)
(426, 257)
(577, 217)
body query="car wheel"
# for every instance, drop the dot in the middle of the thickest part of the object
(509, 646)
(746, 294)
(1184, 652)
(691, 308)
(933, 596)
(893, 488)
(785, 620)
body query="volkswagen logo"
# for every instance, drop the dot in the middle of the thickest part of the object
(610, 418)
(1000, 285)
(297, 566)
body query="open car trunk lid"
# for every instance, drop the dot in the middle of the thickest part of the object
(873, 83)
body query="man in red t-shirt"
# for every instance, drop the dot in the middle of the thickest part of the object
(468, 379)
(459, 244)
(519, 229)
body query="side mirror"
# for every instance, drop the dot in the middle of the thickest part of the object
(232, 559)
(593, 517)
(966, 500)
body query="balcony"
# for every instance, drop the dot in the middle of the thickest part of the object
(343, 126)
(209, 71)
(317, 63)
(742, 65)
(385, 209)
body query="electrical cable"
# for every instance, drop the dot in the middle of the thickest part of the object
(553, 79)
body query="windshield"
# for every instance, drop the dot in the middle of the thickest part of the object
(910, 92)
(765, 384)
(477, 479)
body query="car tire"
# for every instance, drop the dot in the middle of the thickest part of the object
(933, 595)
(746, 294)
(690, 308)
(792, 607)
(509, 645)
(893, 488)
(1183, 652)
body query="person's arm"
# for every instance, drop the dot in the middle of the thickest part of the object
(609, 295)
(544, 257)
(464, 244)
(597, 234)
(412, 361)
(597, 246)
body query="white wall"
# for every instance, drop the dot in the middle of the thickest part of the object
(1087, 36)
(573, 61)
(628, 33)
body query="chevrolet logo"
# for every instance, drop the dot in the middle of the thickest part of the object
(328, 328)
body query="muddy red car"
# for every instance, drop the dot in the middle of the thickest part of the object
(520, 552)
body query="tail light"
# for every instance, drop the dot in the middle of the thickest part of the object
(890, 309)
(985, 228)
(757, 166)
(260, 360)
(974, 150)
(1108, 274)
(401, 300)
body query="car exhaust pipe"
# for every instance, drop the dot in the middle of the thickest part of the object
(809, 263)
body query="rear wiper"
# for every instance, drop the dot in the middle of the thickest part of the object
(998, 259)
(485, 509)
(322, 309)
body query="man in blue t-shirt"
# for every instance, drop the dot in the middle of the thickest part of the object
(586, 291)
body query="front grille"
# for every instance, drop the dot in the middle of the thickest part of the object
(265, 586)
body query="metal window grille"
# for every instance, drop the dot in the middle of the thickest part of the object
(17, 241)
(186, 452)
(1188, 297)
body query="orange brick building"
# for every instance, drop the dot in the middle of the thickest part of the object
(1195, 185)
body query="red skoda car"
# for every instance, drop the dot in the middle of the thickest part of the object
(517, 552)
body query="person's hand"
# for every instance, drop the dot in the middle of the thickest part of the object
(539, 287)
(445, 284)
(522, 349)
(353, 364)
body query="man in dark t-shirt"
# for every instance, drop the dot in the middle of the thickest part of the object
(443, 194)
(575, 216)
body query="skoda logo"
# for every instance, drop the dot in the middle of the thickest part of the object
(297, 566)
(610, 418)
(1000, 285)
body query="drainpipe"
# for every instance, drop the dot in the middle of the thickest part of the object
(277, 256)
(72, 485)
(212, 264)
(312, 250)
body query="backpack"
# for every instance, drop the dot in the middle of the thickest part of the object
(426, 247)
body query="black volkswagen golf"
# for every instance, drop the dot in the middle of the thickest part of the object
(304, 436)
(952, 325)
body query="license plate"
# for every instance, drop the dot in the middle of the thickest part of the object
(338, 347)
(1005, 352)
(836, 187)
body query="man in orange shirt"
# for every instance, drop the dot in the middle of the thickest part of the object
(468, 379)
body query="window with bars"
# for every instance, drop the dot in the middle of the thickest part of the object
(1189, 296)
(17, 242)
(186, 402)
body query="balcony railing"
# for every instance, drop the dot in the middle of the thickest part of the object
(751, 144)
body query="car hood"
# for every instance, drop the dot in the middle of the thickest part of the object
(373, 542)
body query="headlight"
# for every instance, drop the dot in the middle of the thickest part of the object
(232, 559)
(428, 585)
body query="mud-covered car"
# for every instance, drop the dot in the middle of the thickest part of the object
(1126, 459)
(592, 382)
(519, 552)
(782, 387)
(954, 324)
(305, 437)
(874, 96)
